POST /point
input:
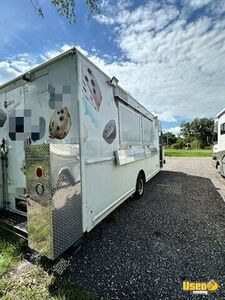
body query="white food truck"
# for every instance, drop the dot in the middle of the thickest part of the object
(74, 146)
(219, 142)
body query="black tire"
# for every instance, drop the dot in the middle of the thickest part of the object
(140, 186)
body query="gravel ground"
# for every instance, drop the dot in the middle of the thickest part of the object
(146, 248)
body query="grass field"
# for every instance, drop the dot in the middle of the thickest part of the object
(20, 279)
(9, 251)
(188, 153)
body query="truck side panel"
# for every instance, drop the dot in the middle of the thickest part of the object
(107, 184)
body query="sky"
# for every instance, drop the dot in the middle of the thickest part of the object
(168, 54)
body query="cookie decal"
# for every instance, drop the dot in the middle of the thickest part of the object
(109, 132)
(60, 124)
(91, 89)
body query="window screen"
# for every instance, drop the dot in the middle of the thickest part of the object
(130, 123)
(147, 131)
(222, 128)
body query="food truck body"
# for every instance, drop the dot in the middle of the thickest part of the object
(74, 146)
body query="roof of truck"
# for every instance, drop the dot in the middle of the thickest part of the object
(220, 113)
(23, 77)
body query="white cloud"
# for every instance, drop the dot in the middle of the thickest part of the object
(15, 66)
(166, 116)
(84, 52)
(199, 3)
(53, 53)
(21, 63)
(175, 130)
(173, 66)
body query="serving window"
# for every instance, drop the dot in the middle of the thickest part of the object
(130, 127)
(147, 129)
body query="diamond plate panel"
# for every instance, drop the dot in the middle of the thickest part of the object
(66, 196)
(55, 217)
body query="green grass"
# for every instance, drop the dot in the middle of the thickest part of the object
(10, 249)
(20, 280)
(188, 153)
(37, 284)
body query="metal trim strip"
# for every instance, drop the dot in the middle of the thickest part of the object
(97, 161)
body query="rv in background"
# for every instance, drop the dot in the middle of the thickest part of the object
(74, 146)
(219, 142)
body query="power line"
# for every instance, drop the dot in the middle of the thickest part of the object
(37, 7)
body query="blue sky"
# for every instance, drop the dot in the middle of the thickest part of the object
(169, 54)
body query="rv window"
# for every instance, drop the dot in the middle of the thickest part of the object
(130, 126)
(147, 128)
(222, 128)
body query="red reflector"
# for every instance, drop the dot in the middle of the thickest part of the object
(39, 171)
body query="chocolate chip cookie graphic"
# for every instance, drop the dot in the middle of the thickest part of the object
(60, 124)
(109, 132)
(91, 89)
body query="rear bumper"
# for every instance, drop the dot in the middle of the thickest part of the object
(14, 222)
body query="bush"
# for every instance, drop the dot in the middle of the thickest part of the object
(196, 144)
(179, 144)
(176, 146)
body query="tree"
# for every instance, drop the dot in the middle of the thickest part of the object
(198, 132)
(179, 143)
(67, 8)
(185, 129)
(169, 138)
(202, 130)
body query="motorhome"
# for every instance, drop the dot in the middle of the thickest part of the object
(219, 142)
(74, 146)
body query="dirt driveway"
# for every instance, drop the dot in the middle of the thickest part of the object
(147, 248)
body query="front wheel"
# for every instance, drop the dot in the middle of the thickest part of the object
(140, 186)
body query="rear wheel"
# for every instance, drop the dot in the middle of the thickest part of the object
(140, 186)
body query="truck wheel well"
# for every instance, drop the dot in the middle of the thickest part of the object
(142, 173)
